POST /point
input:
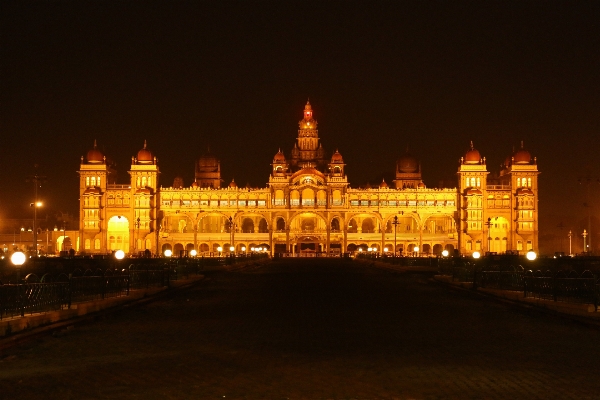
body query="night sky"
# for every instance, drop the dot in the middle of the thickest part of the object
(235, 76)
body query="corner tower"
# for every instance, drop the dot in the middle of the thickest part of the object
(472, 186)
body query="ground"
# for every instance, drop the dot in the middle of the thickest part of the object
(312, 330)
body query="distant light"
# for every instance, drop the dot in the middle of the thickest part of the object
(370, 249)
(38, 204)
(251, 248)
(168, 253)
(219, 249)
(231, 248)
(476, 255)
(360, 249)
(243, 248)
(445, 253)
(18, 258)
(416, 249)
(385, 249)
(193, 253)
(119, 254)
(531, 255)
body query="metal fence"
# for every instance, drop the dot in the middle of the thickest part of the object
(560, 286)
(56, 293)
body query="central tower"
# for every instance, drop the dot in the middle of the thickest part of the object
(307, 151)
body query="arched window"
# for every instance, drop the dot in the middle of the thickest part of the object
(335, 225)
(518, 182)
(478, 182)
(98, 181)
(280, 224)
(528, 182)
(87, 181)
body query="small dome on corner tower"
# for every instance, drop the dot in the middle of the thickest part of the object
(522, 156)
(94, 156)
(472, 156)
(145, 156)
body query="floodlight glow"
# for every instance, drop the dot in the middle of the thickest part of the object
(168, 253)
(119, 254)
(416, 249)
(385, 249)
(243, 248)
(445, 253)
(531, 255)
(231, 248)
(18, 258)
(193, 253)
(219, 249)
(476, 255)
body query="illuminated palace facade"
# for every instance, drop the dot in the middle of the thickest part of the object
(309, 206)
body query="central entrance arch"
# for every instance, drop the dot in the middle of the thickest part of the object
(118, 233)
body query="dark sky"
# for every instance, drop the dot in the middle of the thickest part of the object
(236, 75)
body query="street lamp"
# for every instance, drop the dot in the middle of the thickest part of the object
(18, 259)
(168, 253)
(395, 223)
(531, 255)
(445, 253)
(488, 224)
(476, 255)
(193, 253)
(231, 229)
(137, 222)
(119, 254)
(570, 237)
(416, 250)
(35, 206)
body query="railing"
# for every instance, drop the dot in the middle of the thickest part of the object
(560, 286)
(584, 288)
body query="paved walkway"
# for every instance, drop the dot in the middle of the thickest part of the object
(312, 329)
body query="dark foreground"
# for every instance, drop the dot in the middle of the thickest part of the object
(312, 330)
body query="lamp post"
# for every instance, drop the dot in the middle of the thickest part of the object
(137, 222)
(395, 223)
(570, 237)
(18, 259)
(231, 228)
(35, 206)
(488, 224)
(584, 234)
(37, 179)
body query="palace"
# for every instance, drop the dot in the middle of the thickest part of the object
(309, 206)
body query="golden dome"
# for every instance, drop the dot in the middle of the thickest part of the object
(232, 184)
(279, 158)
(421, 185)
(522, 156)
(408, 163)
(94, 156)
(336, 157)
(472, 156)
(383, 184)
(208, 162)
(195, 184)
(145, 156)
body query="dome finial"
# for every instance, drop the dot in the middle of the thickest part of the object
(522, 144)
(95, 145)
(472, 147)
(145, 144)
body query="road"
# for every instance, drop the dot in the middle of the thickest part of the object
(314, 329)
